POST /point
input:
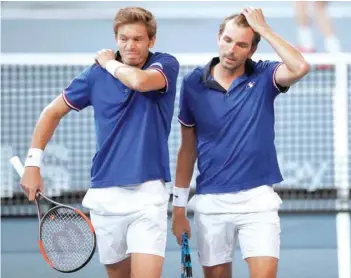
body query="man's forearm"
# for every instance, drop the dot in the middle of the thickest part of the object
(42, 133)
(44, 130)
(291, 57)
(131, 77)
(184, 173)
(185, 167)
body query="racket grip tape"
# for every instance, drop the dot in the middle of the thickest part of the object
(17, 164)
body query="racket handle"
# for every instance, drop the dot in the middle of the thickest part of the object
(17, 164)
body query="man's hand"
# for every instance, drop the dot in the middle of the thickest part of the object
(256, 19)
(294, 65)
(31, 182)
(180, 224)
(103, 56)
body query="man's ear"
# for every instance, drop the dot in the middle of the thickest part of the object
(253, 50)
(152, 42)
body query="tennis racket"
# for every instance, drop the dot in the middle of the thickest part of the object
(187, 269)
(67, 239)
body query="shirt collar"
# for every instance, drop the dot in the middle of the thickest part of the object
(249, 68)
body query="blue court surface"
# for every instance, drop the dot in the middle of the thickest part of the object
(308, 250)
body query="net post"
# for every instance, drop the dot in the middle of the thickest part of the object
(341, 178)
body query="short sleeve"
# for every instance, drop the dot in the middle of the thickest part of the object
(185, 116)
(77, 94)
(269, 68)
(169, 67)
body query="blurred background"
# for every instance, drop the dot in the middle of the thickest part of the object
(44, 45)
(71, 26)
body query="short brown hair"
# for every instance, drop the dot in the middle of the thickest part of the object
(240, 20)
(134, 15)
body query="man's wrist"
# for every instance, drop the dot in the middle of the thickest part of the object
(180, 196)
(34, 158)
(111, 66)
(264, 31)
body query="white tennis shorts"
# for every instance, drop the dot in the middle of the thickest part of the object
(257, 230)
(129, 220)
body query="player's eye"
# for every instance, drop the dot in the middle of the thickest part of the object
(243, 45)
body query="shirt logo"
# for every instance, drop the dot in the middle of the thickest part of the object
(250, 84)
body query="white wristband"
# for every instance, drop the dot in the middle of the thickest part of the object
(34, 157)
(180, 196)
(112, 66)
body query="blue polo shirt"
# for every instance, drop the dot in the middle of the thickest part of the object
(132, 127)
(234, 128)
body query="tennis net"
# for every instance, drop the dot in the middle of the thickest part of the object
(311, 130)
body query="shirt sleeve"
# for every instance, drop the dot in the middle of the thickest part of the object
(168, 66)
(269, 69)
(77, 94)
(185, 116)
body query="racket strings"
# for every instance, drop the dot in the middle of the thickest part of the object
(67, 239)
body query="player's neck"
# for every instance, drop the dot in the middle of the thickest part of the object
(227, 75)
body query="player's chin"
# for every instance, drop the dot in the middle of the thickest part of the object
(134, 61)
(230, 67)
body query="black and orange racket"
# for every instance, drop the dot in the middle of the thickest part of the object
(67, 238)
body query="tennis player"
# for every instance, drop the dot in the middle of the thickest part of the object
(132, 93)
(227, 122)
